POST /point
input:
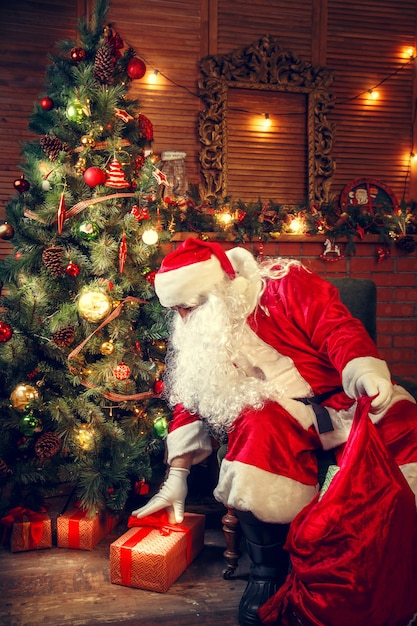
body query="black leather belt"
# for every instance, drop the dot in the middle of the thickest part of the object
(324, 422)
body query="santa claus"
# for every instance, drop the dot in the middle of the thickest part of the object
(265, 356)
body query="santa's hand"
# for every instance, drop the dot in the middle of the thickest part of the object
(171, 496)
(372, 385)
(369, 376)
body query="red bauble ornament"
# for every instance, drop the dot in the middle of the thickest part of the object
(21, 184)
(5, 332)
(94, 176)
(78, 54)
(47, 103)
(121, 371)
(136, 68)
(141, 488)
(72, 269)
(158, 386)
(150, 277)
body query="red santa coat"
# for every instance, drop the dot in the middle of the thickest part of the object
(305, 341)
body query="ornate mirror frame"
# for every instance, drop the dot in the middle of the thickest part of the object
(264, 65)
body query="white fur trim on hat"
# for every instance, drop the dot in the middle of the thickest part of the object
(182, 285)
(248, 282)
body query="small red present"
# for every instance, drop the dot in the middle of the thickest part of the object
(77, 529)
(153, 553)
(30, 530)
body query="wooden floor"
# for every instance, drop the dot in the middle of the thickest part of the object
(61, 587)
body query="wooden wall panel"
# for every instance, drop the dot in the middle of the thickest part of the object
(28, 33)
(243, 21)
(363, 41)
(366, 45)
(167, 34)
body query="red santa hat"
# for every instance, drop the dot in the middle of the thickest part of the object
(191, 270)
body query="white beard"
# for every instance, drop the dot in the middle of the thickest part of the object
(201, 365)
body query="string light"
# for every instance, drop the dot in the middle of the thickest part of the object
(153, 77)
(373, 95)
(409, 53)
(267, 122)
(150, 237)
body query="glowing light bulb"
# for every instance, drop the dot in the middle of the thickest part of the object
(85, 437)
(153, 77)
(150, 237)
(373, 95)
(266, 122)
(296, 225)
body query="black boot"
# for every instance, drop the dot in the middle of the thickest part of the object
(269, 564)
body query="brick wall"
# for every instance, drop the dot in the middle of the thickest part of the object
(395, 276)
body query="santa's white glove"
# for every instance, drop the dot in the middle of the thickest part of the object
(171, 496)
(368, 376)
(369, 385)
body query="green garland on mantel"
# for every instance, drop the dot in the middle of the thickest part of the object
(239, 221)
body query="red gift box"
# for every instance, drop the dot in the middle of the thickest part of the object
(78, 530)
(153, 553)
(30, 530)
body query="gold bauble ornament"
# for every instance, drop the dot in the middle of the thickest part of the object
(107, 348)
(94, 305)
(88, 141)
(80, 166)
(23, 395)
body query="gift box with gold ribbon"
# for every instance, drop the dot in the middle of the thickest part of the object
(27, 529)
(152, 554)
(78, 530)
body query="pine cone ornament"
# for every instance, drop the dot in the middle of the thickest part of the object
(47, 445)
(52, 258)
(103, 65)
(406, 244)
(53, 146)
(3, 468)
(64, 337)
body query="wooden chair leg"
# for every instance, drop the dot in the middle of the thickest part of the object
(232, 535)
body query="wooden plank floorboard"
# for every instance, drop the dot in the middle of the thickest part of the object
(61, 587)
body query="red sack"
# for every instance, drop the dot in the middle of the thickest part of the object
(354, 547)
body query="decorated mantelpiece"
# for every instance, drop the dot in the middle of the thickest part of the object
(365, 208)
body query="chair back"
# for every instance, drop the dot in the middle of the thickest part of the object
(359, 295)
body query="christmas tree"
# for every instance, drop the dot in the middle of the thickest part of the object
(82, 335)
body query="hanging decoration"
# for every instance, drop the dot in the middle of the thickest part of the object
(331, 251)
(6, 332)
(94, 176)
(88, 231)
(122, 371)
(94, 305)
(6, 231)
(116, 177)
(21, 184)
(136, 68)
(72, 269)
(60, 216)
(140, 213)
(23, 395)
(47, 103)
(77, 54)
(122, 253)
